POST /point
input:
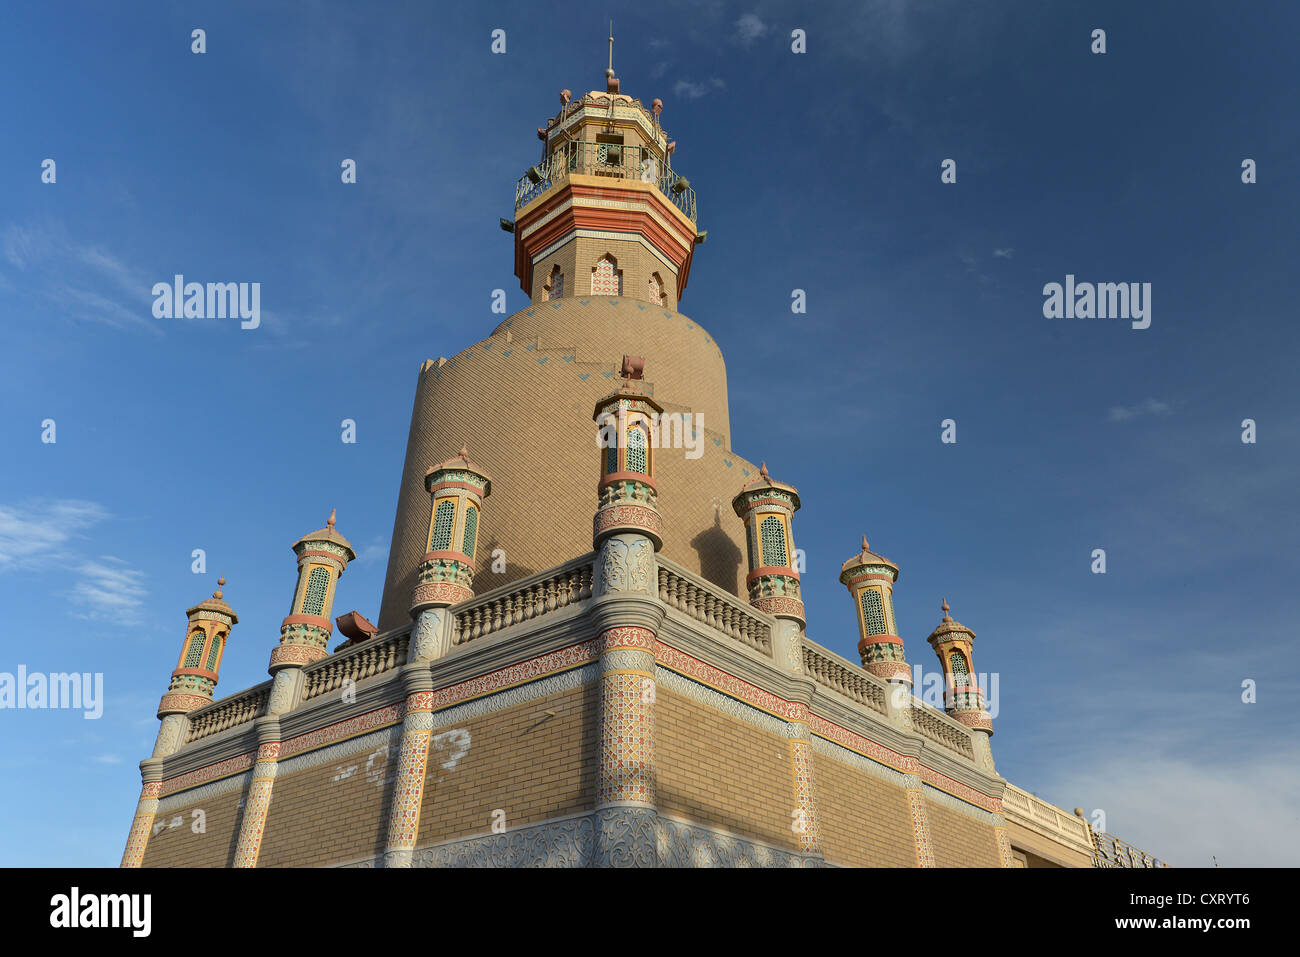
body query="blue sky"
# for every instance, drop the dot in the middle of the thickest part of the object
(1119, 691)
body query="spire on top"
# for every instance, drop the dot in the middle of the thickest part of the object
(221, 583)
(611, 81)
(944, 606)
(333, 517)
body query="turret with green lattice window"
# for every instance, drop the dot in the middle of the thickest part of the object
(870, 580)
(445, 575)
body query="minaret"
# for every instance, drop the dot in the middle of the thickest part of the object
(305, 631)
(604, 193)
(870, 580)
(198, 669)
(962, 698)
(767, 508)
(629, 441)
(208, 626)
(445, 575)
(626, 614)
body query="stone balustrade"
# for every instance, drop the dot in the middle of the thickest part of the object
(714, 607)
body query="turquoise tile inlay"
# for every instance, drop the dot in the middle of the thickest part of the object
(584, 302)
(542, 360)
(728, 462)
(584, 376)
(507, 352)
(568, 358)
(718, 442)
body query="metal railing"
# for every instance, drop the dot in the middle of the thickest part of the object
(606, 159)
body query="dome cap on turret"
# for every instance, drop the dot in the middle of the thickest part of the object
(328, 534)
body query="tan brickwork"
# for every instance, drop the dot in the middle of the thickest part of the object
(529, 425)
(960, 841)
(864, 821)
(181, 847)
(315, 820)
(714, 769)
(521, 761)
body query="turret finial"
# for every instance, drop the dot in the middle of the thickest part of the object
(221, 583)
(464, 452)
(762, 470)
(864, 545)
(333, 517)
(944, 606)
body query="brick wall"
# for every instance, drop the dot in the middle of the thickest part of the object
(960, 841)
(864, 821)
(315, 820)
(715, 769)
(527, 418)
(181, 847)
(520, 761)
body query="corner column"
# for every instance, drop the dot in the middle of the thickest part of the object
(258, 800)
(628, 614)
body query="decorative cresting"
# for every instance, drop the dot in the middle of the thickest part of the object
(962, 698)
(445, 575)
(767, 508)
(208, 626)
(870, 580)
(628, 440)
(305, 631)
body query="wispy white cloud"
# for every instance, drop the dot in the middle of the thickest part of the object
(106, 759)
(1003, 253)
(37, 534)
(376, 551)
(82, 281)
(108, 588)
(749, 28)
(690, 90)
(1242, 812)
(1122, 413)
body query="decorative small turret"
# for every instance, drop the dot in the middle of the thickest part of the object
(767, 507)
(305, 631)
(445, 576)
(628, 440)
(870, 580)
(199, 666)
(962, 698)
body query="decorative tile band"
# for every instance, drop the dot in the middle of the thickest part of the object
(240, 762)
(253, 823)
(628, 636)
(236, 782)
(679, 684)
(862, 745)
(408, 790)
(138, 839)
(957, 804)
(958, 790)
(571, 841)
(1005, 857)
(720, 680)
(516, 674)
(349, 728)
(530, 691)
(852, 758)
(804, 819)
(920, 827)
(627, 741)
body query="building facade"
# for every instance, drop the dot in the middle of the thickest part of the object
(591, 646)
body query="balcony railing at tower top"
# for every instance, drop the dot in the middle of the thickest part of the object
(605, 159)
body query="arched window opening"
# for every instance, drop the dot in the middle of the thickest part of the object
(606, 277)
